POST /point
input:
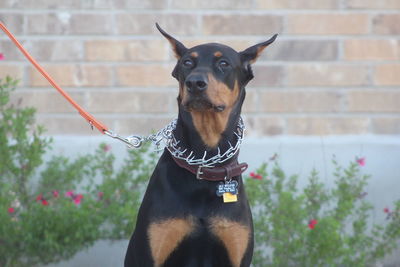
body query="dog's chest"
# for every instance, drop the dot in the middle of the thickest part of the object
(167, 236)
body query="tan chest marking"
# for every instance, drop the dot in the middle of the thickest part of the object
(235, 237)
(210, 124)
(165, 236)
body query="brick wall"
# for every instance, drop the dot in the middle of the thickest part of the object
(335, 68)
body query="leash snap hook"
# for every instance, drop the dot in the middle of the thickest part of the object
(131, 141)
(135, 141)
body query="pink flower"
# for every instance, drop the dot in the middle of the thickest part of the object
(255, 176)
(11, 210)
(39, 197)
(44, 202)
(56, 193)
(100, 195)
(386, 210)
(106, 148)
(2, 56)
(69, 194)
(361, 161)
(78, 198)
(312, 224)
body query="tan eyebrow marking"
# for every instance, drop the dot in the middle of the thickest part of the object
(218, 54)
(194, 54)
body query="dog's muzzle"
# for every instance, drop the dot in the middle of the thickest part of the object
(196, 83)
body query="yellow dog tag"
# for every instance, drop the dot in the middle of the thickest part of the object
(228, 197)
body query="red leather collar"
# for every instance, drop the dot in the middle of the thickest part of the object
(220, 173)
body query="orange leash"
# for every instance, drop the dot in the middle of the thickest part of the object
(92, 121)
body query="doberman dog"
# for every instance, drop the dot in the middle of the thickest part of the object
(183, 221)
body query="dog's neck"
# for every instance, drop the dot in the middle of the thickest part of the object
(189, 137)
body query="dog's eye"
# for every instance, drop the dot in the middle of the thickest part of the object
(223, 64)
(188, 63)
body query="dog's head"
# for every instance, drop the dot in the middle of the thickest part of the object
(212, 77)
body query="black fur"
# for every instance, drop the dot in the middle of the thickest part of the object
(174, 192)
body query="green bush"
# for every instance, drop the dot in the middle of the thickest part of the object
(317, 226)
(51, 214)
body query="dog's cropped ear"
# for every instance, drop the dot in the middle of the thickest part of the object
(178, 47)
(250, 55)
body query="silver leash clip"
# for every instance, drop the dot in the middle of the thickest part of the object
(132, 141)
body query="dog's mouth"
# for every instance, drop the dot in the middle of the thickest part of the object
(202, 104)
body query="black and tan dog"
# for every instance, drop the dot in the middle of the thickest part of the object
(182, 221)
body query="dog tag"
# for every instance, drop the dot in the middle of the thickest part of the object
(228, 197)
(227, 187)
(228, 191)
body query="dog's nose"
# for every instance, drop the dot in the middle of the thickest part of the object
(196, 83)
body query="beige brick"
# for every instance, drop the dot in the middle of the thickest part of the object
(249, 24)
(91, 24)
(63, 75)
(6, 4)
(141, 125)
(386, 24)
(372, 4)
(13, 21)
(105, 50)
(78, 4)
(298, 4)
(264, 125)
(11, 70)
(73, 75)
(301, 50)
(88, 75)
(66, 50)
(250, 104)
(133, 50)
(98, 4)
(361, 49)
(300, 101)
(236, 44)
(387, 74)
(64, 22)
(47, 101)
(327, 125)
(44, 4)
(266, 76)
(385, 125)
(145, 75)
(71, 125)
(130, 101)
(53, 23)
(327, 75)
(211, 4)
(374, 101)
(10, 52)
(148, 50)
(136, 4)
(327, 24)
(175, 24)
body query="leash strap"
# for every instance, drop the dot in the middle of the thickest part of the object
(91, 120)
